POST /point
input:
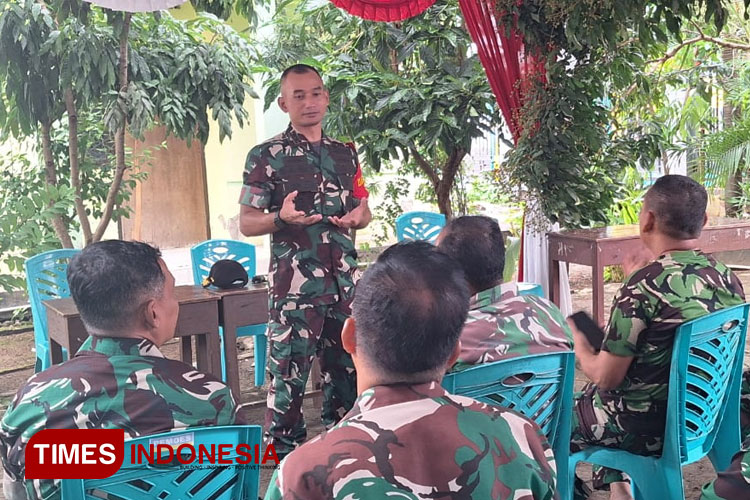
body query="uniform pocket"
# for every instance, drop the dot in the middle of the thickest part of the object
(298, 175)
(346, 181)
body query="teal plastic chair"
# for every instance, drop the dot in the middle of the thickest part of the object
(530, 289)
(423, 226)
(46, 278)
(203, 255)
(539, 386)
(164, 482)
(702, 408)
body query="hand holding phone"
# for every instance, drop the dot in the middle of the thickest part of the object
(588, 328)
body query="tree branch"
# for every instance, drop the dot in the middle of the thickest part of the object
(50, 173)
(451, 166)
(75, 170)
(119, 137)
(700, 38)
(426, 168)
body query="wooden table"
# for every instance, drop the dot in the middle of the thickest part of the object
(198, 316)
(240, 307)
(606, 246)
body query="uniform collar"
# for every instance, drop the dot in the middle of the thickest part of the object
(492, 295)
(388, 395)
(118, 346)
(296, 138)
(682, 255)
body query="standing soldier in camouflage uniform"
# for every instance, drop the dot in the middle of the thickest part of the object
(118, 379)
(734, 483)
(625, 406)
(312, 189)
(501, 323)
(406, 437)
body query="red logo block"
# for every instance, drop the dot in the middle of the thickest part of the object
(74, 453)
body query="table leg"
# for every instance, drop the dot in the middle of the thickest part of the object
(230, 326)
(597, 286)
(186, 350)
(207, 354)
(554, 281)
(201, 355)
(55, 352)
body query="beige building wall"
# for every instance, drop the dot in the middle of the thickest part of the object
(225, 162)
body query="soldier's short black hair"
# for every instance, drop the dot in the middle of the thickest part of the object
(299, 69)
(110, 280)
(679, 205)
(410, 307)
(476, 242)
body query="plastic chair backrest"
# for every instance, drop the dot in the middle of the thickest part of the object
(539, 386)
(46, 278)
(419, 226)
(203, 255)
(704, 383)
(530, 289)
(143, 481)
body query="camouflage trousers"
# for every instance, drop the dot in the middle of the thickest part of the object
(599, 422)
(745, 405)
(296, 336)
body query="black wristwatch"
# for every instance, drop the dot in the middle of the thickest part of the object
(278, 221)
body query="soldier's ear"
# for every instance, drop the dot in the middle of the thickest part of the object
(705, 219)
(649, 221)
(149, 315)
(454, 356)
(282, 104)
(349, 336)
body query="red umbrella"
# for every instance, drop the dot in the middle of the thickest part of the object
(384, 10)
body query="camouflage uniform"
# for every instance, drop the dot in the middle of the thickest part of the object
(654, 301)
(312, 276)
(418, 441)
(502, 324)
(745, 405)
(734, 483)
(111, 383)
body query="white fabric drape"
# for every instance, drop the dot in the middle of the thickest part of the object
(536, 260)
(137, 5)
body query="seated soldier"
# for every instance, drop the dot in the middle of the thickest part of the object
(625, 406)
(118, 378)
(734, 483)
(501, 323)
(405, 435)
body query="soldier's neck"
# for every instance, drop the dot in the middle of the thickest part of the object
(473, 290)
(313, 133)
(368, 380)
(665, 244)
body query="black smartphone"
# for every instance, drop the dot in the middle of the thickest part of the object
(589, 328)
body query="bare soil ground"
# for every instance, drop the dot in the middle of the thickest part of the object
(17, 361)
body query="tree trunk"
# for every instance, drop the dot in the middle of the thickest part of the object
(445, 186)
(75, 171)
(442, 186)
(443, 192)
(50, 172)
(120, 166)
